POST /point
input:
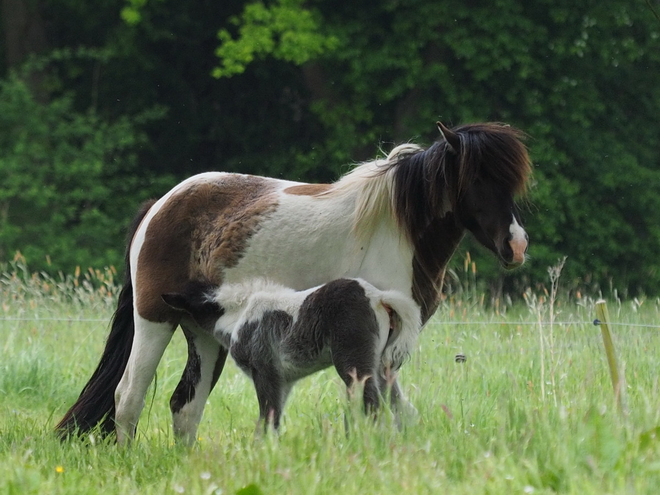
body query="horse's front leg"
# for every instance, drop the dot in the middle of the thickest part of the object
(404, 411)
(206, 359)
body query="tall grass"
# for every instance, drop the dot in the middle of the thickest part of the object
(530, 410)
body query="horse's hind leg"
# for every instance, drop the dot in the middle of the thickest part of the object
(149, 343)
(389, 386)
(206, 359)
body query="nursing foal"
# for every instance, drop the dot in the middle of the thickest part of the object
(277, 335)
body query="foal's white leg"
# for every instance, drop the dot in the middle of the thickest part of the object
(187, 404)
(149, 343)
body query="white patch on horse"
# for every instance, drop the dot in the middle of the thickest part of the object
(407, 316)
(146, 351)
(386, 260)
(518, 241)
(328, 249)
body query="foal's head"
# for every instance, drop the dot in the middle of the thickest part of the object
(196, 302)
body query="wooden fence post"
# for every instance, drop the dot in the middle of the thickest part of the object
(618, 382)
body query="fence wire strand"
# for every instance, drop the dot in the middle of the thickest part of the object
(441, 322)
(72, 320)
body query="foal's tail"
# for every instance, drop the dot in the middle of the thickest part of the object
(96, 403)
(405, 321)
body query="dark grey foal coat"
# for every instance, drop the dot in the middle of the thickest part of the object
(277, 335)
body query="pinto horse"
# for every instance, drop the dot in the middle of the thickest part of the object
(277, 335)
(394, 222)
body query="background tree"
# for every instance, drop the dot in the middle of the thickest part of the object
(301, 89)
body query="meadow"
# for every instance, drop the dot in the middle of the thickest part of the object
(530, 410)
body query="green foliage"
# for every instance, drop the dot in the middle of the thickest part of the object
(131, 12)
(306, 88)
(285, 30)
(580, 79)
(69, 184)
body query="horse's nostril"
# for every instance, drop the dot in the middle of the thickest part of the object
(518, 249)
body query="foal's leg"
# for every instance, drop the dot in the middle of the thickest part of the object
(397, 398)
(149, 343)
(389, 386)
(271, 394)
(404, 411)
(354, 357)
(206, 359)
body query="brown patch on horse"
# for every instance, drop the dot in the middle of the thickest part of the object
(198, 232)
(308, 189)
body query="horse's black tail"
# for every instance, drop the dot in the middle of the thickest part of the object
(96, 404)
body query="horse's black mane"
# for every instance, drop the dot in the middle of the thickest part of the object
(423, 178)
(427, 182)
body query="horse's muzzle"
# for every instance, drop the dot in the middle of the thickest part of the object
(518, 246)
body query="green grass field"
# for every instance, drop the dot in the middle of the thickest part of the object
(530, 411)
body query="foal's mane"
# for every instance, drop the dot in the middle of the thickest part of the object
(412, 184)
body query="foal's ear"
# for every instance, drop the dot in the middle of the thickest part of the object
(452, 139)
(178, 302)
(196, 304)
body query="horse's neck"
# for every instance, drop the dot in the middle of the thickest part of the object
(384, 257)
(432, 252)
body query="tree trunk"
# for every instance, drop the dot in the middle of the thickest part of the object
(25, 34)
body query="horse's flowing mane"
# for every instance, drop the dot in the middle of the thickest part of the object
(412, 184)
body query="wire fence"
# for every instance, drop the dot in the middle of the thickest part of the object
(37, 318)
(595, 322)
(465, 349)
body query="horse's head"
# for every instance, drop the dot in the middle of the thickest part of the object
(490, 166)
(490, 215)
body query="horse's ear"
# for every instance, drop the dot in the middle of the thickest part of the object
(452, 139)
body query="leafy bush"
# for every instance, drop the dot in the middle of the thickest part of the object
(69, 180)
